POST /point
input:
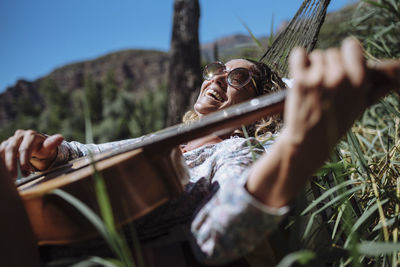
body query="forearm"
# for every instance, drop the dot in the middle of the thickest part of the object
(277, 177)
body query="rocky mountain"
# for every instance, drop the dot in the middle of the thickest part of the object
(145, 69)
(12, 94)
(226, 46)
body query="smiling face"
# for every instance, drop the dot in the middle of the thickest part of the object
(216, 93)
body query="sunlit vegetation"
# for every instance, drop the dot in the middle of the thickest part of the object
(115, 113)
(357, 193)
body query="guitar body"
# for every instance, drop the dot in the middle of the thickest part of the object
(136, 182)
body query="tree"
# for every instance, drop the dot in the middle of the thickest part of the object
(110, 90)
(94, 95)
(149, 113)
(184, 71)
(57, 105)
(216, 51)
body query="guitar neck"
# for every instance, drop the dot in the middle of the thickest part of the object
(223, 121)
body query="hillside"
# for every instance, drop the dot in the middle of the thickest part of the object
(144, 69)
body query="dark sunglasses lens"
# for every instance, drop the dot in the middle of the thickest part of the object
(238, 77)
(213, 69)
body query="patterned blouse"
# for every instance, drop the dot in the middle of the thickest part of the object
(225, 221)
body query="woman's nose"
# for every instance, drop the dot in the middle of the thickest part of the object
(220, 80)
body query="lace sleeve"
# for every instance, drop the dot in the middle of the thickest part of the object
(72, 150)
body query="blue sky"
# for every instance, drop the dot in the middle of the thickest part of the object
(38, 36)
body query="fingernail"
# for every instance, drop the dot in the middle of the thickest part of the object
(351, 41)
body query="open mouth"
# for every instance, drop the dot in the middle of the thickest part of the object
(215, 95)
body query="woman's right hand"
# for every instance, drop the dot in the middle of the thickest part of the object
(331, 89)
(31, 149)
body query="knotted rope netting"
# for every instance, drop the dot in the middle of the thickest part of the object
(301, 31)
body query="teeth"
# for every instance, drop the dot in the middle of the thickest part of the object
(215, 95)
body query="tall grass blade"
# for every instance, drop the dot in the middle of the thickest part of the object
(390, 108)
(378, 248)
(253, 37)
(301, 256)
(107, 215)
(366, 214)
(88, 122)
(390, 222)
(90, 215)
(96, 261)
(329, 204)
(328, 193)
(357, 153)
(375, 3)
(271, 30)
(337, 221)
(102, 199)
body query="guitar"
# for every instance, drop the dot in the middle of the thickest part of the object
(128, 174)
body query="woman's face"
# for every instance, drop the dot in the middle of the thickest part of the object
(216, 93)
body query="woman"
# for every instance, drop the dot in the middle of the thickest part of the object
(252, 197)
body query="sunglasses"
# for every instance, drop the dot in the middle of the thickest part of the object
(237, 78)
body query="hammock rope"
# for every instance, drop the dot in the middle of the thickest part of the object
(301, 31)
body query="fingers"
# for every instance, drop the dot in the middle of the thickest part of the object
(315, 73)
(31, 142)
(330, 68)
(9, 152)
(307, 70)
(298, 62)
(335, 73)
(44, 154)
(26, 144)
(353, 61)
(52, 142)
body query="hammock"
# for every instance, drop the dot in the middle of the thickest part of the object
(301, 31)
